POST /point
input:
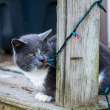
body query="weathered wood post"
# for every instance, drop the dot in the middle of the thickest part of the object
(77, 69)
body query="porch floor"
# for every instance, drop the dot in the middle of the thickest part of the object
(18, 91)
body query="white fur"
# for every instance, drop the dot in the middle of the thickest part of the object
(14, 56)
(42, 97)
(37, 77)
(101, 76)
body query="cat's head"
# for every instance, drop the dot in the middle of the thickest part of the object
(32, 50)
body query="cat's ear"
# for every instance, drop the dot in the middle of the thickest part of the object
(16, 43)
(45, 35)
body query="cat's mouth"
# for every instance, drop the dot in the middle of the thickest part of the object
(43, 65)
(44, 61)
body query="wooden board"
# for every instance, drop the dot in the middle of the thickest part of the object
(16, 91)
(61, 29)
(77, 73)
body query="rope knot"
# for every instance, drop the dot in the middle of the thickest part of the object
(99, 3)
(76, 35)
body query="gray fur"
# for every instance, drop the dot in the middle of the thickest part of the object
(30, 53)
(34, 49)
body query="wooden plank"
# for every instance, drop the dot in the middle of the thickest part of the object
(81, 75)
(17, 93)
(4, 106)
(61, 33)
(102, 103)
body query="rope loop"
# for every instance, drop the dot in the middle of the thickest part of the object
(99, 3)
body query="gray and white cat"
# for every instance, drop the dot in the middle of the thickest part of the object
(30, 53)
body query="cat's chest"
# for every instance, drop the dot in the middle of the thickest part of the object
(37, 77)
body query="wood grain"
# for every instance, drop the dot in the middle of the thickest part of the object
(80, 77)
(17, 93)
(61, 33)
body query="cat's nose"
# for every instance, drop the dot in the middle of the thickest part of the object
(42, 59)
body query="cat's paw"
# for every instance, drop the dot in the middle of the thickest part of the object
(43, 97)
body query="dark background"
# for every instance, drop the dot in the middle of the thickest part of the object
(18, 17)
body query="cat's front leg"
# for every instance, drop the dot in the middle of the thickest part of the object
(40, 96)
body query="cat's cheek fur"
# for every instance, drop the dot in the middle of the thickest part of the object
(14, 56)
(37, 77)
(43, 97)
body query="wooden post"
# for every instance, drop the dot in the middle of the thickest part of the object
(61, 34)
(77, 70)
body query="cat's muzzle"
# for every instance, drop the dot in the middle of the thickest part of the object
(41, 62)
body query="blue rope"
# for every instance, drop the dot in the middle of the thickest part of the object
(105, 93)
(98, 3)
(107, 102)
(74, 33)
(51, 62)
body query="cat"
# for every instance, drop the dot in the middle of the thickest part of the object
(30, 54)
(104, 68)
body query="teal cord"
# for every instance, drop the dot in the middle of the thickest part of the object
(98, 3)
(87, 13)
(106, 92)
(52, 61)
(74, 33)
(107, 102)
